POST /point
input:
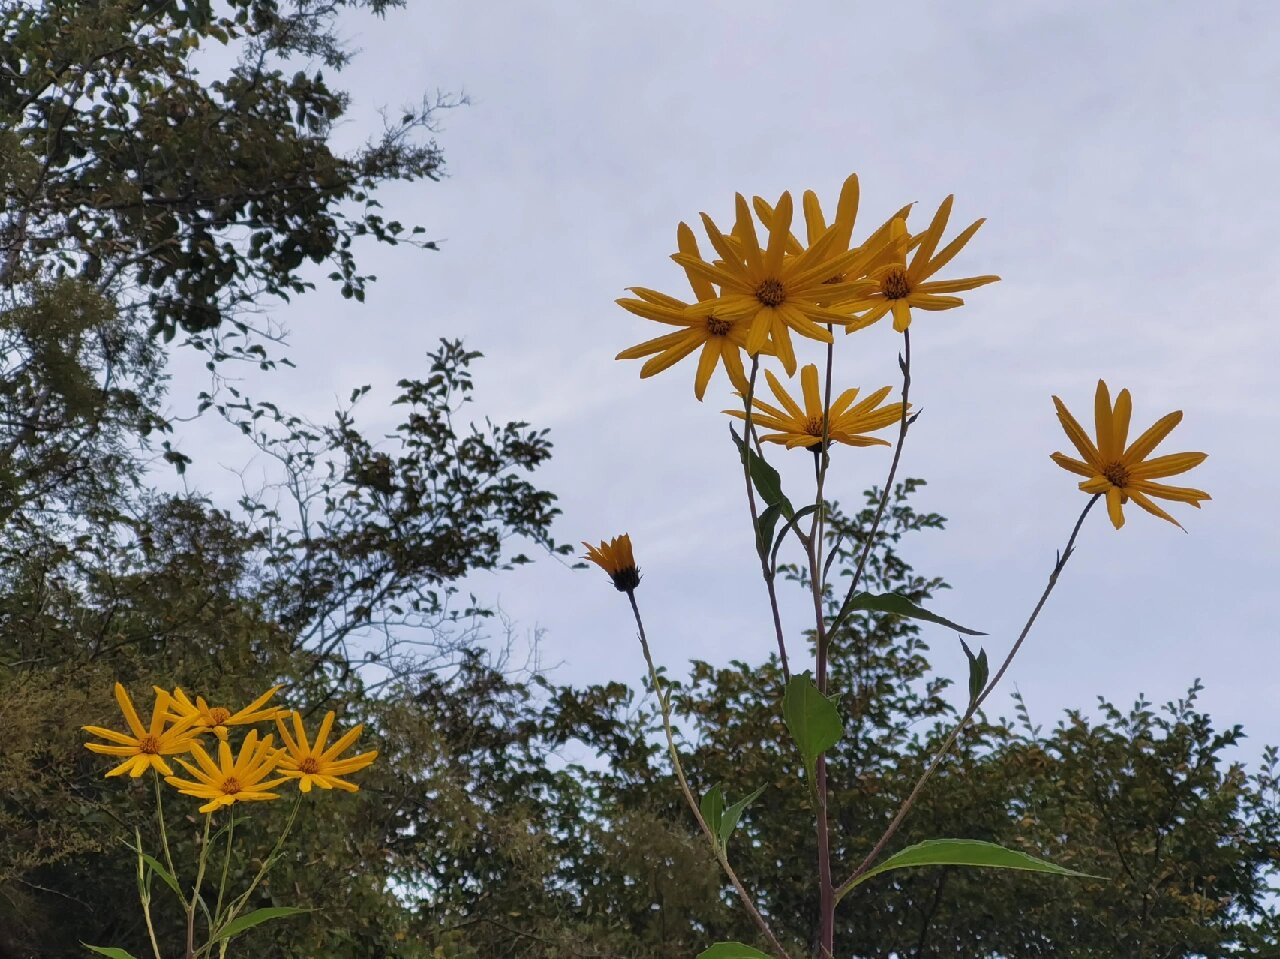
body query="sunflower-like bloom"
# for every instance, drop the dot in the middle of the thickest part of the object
(313, 763)
(216, 719)
(804, 427)
(772, 292)
(898, 286)
(148, 745)
(233, 779)
(878, 244)
(614, 557)
(1122, 473)
(722, 338)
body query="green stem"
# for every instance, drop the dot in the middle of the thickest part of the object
(195, 893)
(239, 903)
(226, 863)
(164, 839)
(720, 853)
(941, 754)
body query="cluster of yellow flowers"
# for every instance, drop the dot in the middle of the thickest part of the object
(753, 296)
(177, 725)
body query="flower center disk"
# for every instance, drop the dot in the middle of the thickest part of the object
(894, 285)
(149, 745)
(771, 292)
(718, 327)
(309, 766)
(1117, 475)
(231, 785)
(219, 715)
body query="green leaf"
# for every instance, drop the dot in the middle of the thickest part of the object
(712, 807)
(979, 670)
(967, 852)
(237, 926)
(729, 821)
(766, 479)
(112, 951)
(764, 529)
(900, 606)
(732, 950)
(813, 719)
(163, 873)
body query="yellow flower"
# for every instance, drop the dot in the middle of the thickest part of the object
(216, 719)
(898, 287)
(147, 746)
(233, 779)
(878, 244)
(314, 763)
(772, 292)
(721, 337)
(614, 557)
(1122, 473)
(803, 427)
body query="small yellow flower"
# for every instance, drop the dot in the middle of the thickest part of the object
(803, 427)
(216, 719)
(722, 338)
(1121, 473)
(772, 292)
(899, 287)
(309, 763)
(233, 779)
(147, 746)
(614, 557)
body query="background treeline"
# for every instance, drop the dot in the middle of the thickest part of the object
(147, 209)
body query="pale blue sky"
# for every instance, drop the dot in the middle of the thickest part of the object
(1125, 157)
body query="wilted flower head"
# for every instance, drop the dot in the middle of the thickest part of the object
(614, 557)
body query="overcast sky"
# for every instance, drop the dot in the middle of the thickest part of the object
(1125, 158)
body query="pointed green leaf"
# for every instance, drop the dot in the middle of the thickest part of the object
(712, 807)
(967, 852)
(237, 926)
(112, 951)
(764, 529)
(765, 478)
(900, 606)
(813, 720)
(163, 873)
(729, 821)
(979, 670)
(732, 950)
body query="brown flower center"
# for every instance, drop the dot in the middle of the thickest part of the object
(771, 292)
(218, 715)
(309, 766)
(894, 284)
(813, 426)
(231, 785)
(717, 326)
(1117, 475)
(149, 745)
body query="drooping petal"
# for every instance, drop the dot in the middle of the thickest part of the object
(1114, 500)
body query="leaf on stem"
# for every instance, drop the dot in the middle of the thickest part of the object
(813, 720)
(112, 951)
(967, 852)
(732, 950)
(900, 606)
(979, 670)
(237, 926)
(766, 479)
